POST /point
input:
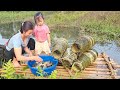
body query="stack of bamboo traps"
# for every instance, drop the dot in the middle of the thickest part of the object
(81, 61)
(85, 54)
(79, 56)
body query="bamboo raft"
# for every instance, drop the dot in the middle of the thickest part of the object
(103, 68)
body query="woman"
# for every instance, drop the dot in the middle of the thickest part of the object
(20, 43)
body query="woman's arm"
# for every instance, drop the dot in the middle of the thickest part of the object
(20, 57)
(28, 51)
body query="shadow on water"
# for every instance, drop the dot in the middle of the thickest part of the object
(71, 34)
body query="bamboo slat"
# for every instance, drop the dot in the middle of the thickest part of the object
(97, 69)
(102, 68)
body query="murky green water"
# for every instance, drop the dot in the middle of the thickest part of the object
(71, 34)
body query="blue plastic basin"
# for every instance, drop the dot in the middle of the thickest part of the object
(47, 71)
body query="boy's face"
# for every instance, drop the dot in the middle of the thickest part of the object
(40, 21)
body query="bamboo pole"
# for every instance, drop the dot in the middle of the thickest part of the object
(113, 74)
(96, 72)
(97, 69)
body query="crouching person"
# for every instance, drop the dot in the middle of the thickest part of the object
(20, 43)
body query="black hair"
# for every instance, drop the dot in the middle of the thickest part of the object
(38, 14)
(27, 25)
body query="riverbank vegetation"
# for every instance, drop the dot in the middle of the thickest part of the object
(102, 25)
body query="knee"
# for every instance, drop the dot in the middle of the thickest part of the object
(31, 44)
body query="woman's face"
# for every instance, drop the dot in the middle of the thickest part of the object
(28, 33)
(40, 21)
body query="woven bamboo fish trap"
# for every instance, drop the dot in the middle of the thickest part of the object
(85, 60)
(68, 59)
(59, 47)
(83, 44)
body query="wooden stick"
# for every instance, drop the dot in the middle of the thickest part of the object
(100, 63)
(109, 65)
(60, 67)
(95, 72)
(97, 69)
(100, 59)
(68, 70)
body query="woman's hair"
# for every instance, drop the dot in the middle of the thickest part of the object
(37, 15)
(27, 25)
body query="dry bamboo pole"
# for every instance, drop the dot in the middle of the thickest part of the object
(113, 74)
(97, 69)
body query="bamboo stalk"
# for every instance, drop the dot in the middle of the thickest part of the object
(99, 59)
(95, 72)
(61, 70)
(100, 63)
(109, 65)
(97, 69)
(60, 67)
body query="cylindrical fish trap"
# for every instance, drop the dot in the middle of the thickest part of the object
(68, 60)
(59, 47)
(83, 44)
(85, 60)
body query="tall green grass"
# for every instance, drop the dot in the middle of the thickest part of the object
(13, 16)
(102, 23)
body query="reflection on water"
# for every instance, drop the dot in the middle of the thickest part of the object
(110, 49)
(71, 34)
(0, 36)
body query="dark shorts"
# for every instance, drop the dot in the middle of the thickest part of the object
(10, 54)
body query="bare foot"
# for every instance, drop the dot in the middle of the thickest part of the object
(16, 64)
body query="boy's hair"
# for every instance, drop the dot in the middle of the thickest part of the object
(37, 15)
(27, 25)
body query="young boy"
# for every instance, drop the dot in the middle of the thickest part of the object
(42, 35)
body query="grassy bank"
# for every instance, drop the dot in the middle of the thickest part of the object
(52, 18)
(13, 16)
(103, 25)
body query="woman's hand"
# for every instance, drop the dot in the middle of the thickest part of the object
(30, 54)
(38, 59)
